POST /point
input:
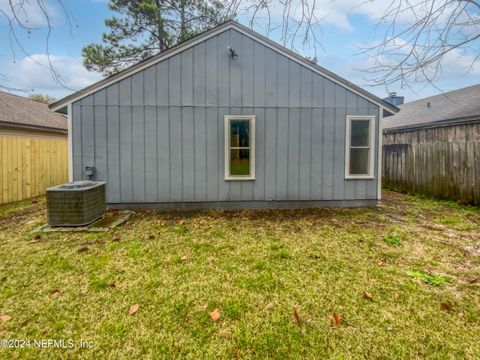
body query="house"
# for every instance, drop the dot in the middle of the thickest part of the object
(33, 148)
(227, 119)
(20, 116)
(432, 146)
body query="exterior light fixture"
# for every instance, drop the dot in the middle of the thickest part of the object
(233, 53)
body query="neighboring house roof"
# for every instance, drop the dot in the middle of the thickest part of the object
(231, 24)
(454, 107)
(18, 111)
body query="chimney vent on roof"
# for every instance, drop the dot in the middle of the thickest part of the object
(394, 99)
(428, 104)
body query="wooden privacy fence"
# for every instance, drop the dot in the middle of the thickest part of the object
(29, 165)
(448, 170)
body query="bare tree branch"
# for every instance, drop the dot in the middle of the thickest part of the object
(16, 16)
(420, 36)
(297, 21)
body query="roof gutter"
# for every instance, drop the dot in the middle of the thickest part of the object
(32, 127)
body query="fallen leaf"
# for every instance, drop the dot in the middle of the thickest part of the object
(475, 249)
(335, 319)
(296, 317)
(184, 258)
(236, 352)
(133, 309)
(368, 296)
(269, 306)
(445, 306)
(5, 318)
(215, 314)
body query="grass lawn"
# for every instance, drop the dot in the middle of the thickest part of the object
(403, 279)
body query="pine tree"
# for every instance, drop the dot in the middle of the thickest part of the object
(147, 27)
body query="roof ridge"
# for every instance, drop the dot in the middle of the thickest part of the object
(20, 96)
(442, 94)
(24, 97)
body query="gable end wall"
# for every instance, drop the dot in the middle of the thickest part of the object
(157, 136)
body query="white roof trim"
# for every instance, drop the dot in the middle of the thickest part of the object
(209, 34)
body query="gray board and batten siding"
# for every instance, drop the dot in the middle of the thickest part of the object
(157, 136)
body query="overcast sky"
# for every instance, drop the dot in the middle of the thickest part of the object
(346, 26)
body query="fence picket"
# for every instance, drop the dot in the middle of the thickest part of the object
(28, 166)
(438, 169)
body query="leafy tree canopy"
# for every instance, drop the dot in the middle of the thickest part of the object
(47, 99)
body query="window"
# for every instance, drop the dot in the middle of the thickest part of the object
(239, 147)
(360, 147)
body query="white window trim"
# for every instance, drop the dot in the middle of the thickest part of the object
(379, 155)
(228, 118)
(371, 159)
(70, 142)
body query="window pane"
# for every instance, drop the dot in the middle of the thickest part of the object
(360, 132)
(239, 133)
(239, 162)
(359, 161)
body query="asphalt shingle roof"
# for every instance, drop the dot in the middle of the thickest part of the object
(453, 105)
(20, 110)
